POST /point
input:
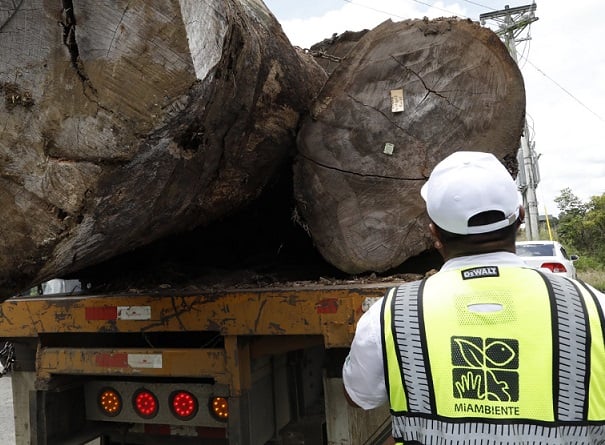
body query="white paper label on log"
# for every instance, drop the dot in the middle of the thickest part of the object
(149, 361)
(388, 148)
(397, 101)
(134, 312)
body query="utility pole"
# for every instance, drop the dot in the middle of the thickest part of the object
(511, 23)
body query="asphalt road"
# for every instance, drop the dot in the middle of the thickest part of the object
(7, 424)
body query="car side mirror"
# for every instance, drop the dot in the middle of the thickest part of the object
(574, 257)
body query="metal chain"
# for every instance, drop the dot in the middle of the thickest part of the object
(323, 55)
(7, 358)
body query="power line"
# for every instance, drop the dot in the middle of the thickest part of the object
(436, 7)
(523, 56)
(512, 22)
(565, 90)
(403, 18)
(479, 4)
(374, 9)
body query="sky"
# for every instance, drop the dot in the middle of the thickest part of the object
(562, 60)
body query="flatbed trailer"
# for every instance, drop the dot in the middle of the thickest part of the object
(230, 366)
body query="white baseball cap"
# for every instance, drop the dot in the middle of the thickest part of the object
(465, 184)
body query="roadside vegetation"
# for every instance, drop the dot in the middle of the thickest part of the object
(581, 228)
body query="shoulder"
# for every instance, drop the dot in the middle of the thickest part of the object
(598, 295)
(409, 288)
(563, 285)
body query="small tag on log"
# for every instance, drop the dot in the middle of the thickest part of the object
(388, 148)
(397, 101)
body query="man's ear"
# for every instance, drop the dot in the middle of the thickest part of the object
(436, 238)
(433, 231)
(521, 218)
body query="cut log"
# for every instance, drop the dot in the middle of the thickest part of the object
(126, 121)
(362, 159)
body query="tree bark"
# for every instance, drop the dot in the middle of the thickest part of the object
(361, 163)
(126, 121)
(329, 52)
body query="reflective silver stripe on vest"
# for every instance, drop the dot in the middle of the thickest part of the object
(573, 361)
(572, 331)
(407, 335)
(433, 432)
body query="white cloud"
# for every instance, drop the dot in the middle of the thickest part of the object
(568, 115)
(358, 15)
(564, 78)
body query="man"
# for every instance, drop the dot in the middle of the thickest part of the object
(487, 350)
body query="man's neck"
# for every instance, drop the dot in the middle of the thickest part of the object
(476, 250)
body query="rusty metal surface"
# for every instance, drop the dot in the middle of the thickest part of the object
(329, 311)
(196, 363)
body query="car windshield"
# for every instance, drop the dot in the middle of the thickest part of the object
(535, 250)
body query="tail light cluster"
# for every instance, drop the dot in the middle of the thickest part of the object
(110, 402)
(182, 404)
(220, 408)
(145, 404)
(554, 267)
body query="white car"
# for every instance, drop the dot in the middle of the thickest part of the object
(549, 255)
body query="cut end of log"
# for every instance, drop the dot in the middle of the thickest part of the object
(406, 95)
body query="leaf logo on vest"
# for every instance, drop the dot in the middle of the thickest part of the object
(486, 370)
(480, 272)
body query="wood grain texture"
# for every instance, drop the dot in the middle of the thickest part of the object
(122, 122)
(462, 91)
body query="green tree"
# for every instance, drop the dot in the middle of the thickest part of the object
(569, 204)
(595, 226)
(582, 225)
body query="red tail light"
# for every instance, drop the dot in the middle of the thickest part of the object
(145, 403)
(183, 405)
(554, 267)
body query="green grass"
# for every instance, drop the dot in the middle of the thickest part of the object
(592, 271)
(594, 277)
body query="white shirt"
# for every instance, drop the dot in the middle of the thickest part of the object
(363, 370)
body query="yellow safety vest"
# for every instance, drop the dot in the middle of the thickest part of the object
(495, 355)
